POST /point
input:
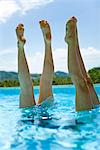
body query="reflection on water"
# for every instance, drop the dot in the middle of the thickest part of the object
(58, 127)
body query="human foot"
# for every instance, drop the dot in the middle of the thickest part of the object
(70, 29)
(45, 30)
(20, 35)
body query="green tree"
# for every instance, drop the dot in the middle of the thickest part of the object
(95, 75)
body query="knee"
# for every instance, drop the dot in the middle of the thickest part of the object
(78, 81)
(82, 82)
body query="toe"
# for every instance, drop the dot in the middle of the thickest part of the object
(20, 26)
(43, 23)
(72, 20)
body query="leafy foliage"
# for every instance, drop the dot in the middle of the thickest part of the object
(9, 83)
(62, 80)
(95, 75)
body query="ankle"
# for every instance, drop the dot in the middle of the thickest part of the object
(47, 44)
(20, 44)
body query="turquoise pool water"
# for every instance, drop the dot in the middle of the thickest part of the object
(27, 129)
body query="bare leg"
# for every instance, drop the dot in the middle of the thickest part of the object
(87, 79)
(86, 96)
(48, 68)
(26, 96)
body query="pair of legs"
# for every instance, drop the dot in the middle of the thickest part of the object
(86, 97)
(27, 95)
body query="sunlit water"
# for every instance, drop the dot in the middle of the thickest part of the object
(56, 128)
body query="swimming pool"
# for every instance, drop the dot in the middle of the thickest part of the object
(26, 129)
